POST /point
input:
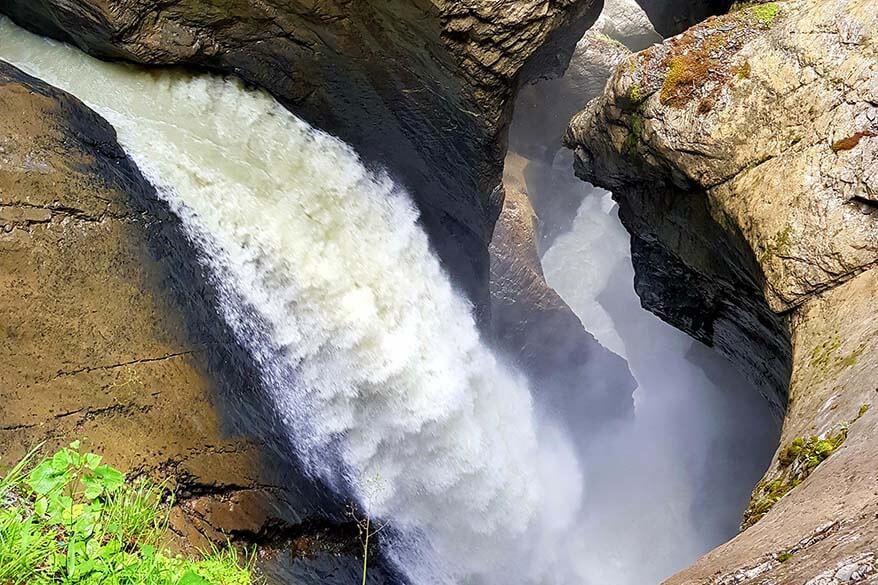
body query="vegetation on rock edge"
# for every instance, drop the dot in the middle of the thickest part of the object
(796, 462)
(70, 519)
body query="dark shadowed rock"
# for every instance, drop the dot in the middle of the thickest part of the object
(744, 156)
(420, 87)
(671, 17)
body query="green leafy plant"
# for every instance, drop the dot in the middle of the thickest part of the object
(71, 519)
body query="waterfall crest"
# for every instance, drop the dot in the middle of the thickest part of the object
(367, 351)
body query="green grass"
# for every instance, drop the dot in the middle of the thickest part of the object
(69, 519)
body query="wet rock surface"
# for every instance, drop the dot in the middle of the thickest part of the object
(742, 157)
(422, 88)
(582, 382)
(537, 163)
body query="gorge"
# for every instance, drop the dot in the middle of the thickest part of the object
(331, 322)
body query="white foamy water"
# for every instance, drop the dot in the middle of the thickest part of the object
(369, 354)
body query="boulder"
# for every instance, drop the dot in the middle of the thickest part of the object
(671, 17)
(744, 157)
(626, 22)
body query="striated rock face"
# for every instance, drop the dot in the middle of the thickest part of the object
(422, 87)
(92, 314)
(744, 155)
(537, 329)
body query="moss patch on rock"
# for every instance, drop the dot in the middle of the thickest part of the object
(778, 245)
(827, 360)
(795, 462)
(699, 64)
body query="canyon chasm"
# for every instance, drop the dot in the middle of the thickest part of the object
(551, 292)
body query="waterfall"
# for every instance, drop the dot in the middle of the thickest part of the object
(370, 356)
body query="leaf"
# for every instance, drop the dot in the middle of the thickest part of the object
(111, 478)
(192, 578)
(61, 461)
(46, 477)
(75, 445)
(41, 506)
(92, 460)
(85, 525)
(93, 549)
(111, 549)
(94, 487)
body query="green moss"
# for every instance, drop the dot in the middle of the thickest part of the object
(765, 14)
(827, 360)
(636, 126)
(699, 62)
(784, 556)
(743, 71)
(636, 94)
(822, 355)
(778, 245)
(849, 360)
(796, 462)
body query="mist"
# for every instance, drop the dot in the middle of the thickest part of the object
(671, 482)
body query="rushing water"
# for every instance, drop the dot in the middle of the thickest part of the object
(371, 357)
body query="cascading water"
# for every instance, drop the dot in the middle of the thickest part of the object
(370, 356)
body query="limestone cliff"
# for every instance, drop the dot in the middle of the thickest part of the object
(744, 156)
(421, 87)
(98, 333)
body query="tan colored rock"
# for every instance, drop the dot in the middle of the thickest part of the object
(93, 343)
(742, 155)
(420, 87)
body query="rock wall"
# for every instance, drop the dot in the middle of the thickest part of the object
(537, 162)
(568, 367)
(421, 87)
(98, 334)
(626, 22)
(744, 156)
